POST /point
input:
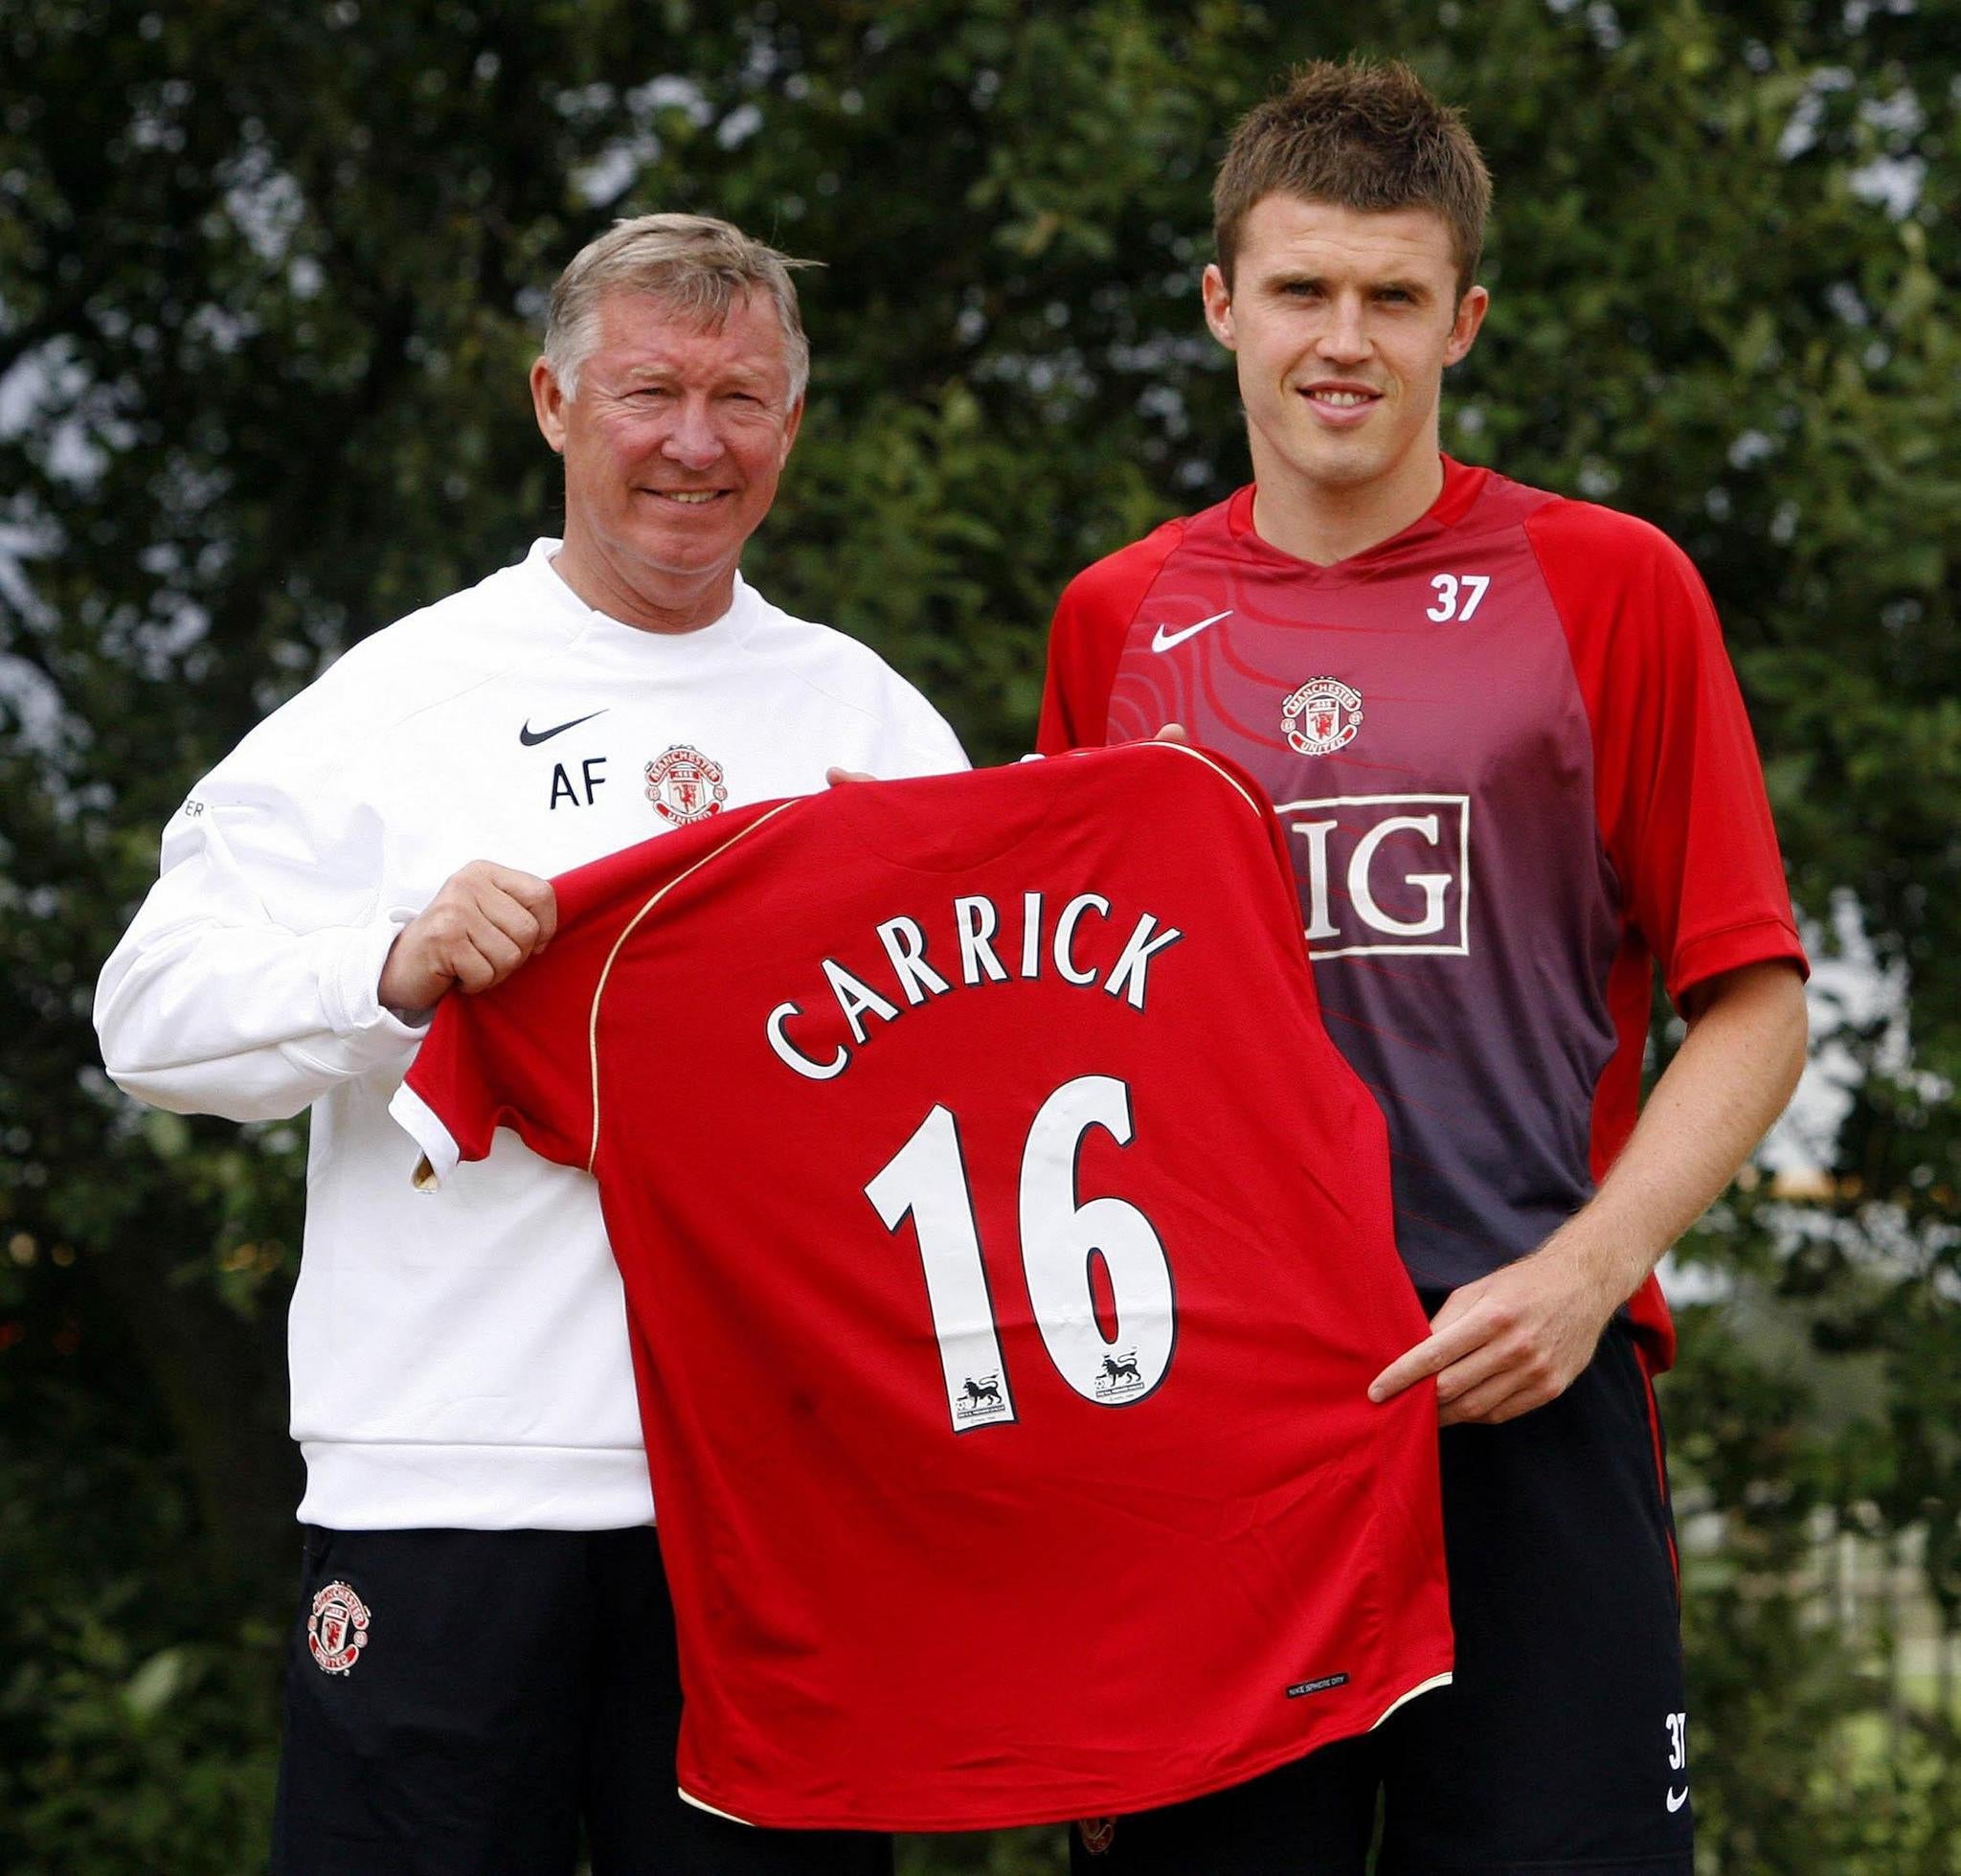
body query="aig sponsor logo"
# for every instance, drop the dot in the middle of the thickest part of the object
(1385, 873)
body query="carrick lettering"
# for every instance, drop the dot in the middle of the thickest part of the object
(1077, 943)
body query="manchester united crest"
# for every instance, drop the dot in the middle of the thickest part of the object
(1322, 716)
(684, 785)
(337, 1629)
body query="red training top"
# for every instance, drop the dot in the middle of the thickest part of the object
(1514, 771)
(1007, 1253)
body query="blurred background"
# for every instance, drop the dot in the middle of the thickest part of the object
(271, 274)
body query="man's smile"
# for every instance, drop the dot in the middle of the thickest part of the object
(1340, 403)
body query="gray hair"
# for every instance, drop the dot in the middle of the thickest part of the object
(692, 264)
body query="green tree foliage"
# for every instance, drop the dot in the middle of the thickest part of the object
(269, 283)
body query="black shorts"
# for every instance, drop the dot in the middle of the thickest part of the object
(460, 1703)
(1560, 1743)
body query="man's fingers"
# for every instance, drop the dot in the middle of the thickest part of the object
(1173, 733)
(504, 952)
(1485, 1363)
(543, 905)
(1498, 1400)
(1443, 1346)
(531, 895)
(486, 960)
(468, 968)
(483, 924)
(836, 776)
(510, 916)
(1405, 1371)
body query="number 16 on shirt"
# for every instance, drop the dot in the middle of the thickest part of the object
(1060, 1235)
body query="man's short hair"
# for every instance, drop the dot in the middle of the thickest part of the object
(693, 264)
(1363, 135)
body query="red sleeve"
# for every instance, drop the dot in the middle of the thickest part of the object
(521, 1055)
(1086, 638)
(1678, 787)
(516, 1056)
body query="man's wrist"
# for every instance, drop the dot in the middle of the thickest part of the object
(1610, 1264)
(359, 1005)
(396, 994)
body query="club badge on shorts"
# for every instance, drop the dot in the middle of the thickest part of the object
(1322, 716)
(684, 785)
(337, 1629)
(1097, 1833)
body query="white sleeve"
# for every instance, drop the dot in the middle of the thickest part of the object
(246, 984)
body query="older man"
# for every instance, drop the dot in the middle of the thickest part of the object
(484, 1657)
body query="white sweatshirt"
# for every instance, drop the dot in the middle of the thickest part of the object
(462, 1360)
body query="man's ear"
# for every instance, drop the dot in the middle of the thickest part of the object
(791, 425)
(548, 403)
(1217, 296)
(1471, 310)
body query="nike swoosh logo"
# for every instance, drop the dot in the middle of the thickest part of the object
(1677, 1798)
(1163, 641)
(530, 737)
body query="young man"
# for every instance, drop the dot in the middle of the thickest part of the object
(1504, 738)
(483, 1654)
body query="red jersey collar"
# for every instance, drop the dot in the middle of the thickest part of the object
(1461, 487)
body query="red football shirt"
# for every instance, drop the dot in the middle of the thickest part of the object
(1008, 1253)
(1514, 772)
